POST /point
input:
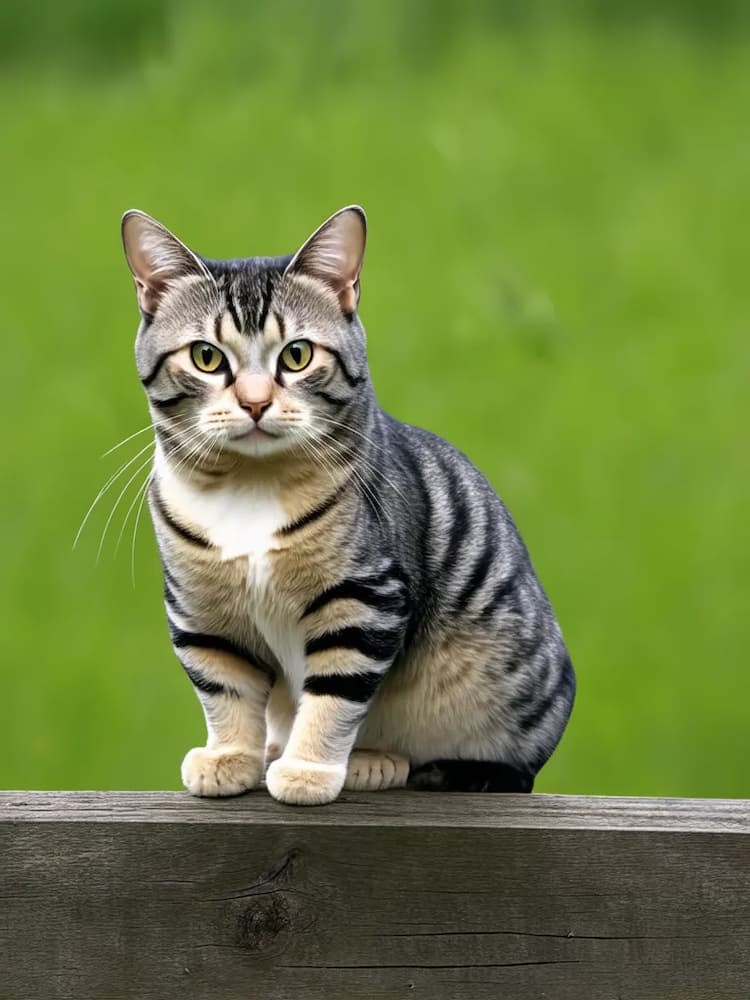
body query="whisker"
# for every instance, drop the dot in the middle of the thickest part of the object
(176, 423)
(144, 491)
(137, 472)
(125, 440)
(373, 468)
(364, 486)
(106, 486)
(311, 454)
(129, 511)
(353, 430)
(373, 444)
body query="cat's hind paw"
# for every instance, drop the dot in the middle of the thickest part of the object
(304, 782)
(221, 772)
(374, 771)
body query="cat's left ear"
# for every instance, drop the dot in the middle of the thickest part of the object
(334, 254)
(156, 258)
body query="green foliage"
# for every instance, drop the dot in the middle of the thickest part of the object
(556, 280)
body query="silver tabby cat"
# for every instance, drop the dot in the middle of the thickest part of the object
(349, 597)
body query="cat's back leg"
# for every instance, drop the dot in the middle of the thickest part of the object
(375, 771)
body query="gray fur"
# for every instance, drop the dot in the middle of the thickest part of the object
(450, 580)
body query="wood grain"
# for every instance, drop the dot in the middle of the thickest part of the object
(392, 895)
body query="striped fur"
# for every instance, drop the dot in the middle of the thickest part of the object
(347, 594)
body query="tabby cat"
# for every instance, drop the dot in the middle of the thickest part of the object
(347, 594)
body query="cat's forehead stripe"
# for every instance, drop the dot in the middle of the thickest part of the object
(232, 310)
(274, 328)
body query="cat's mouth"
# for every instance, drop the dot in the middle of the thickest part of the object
(254, 434)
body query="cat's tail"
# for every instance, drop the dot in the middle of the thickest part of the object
(469, 776)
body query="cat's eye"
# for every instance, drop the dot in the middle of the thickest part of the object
(296, 355)
(206, 357)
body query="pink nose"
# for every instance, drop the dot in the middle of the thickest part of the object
(256, 410)
(254, 393)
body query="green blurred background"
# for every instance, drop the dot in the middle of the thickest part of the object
(556, 280)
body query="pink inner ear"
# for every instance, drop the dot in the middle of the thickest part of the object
(349, 297)
(148, 295)
(334, 253)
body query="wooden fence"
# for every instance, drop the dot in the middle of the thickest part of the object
(391, 895)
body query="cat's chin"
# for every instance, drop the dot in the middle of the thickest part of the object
(257, 444)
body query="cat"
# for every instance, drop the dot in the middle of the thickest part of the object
(347, 594)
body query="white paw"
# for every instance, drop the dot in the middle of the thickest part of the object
(374, 771)
(220, 772)
(304, 783)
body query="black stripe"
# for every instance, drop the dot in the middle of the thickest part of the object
(328, 398)
(170, 578)
(424, 491)
(527, 647)
(232, 310)
(565, 682)
(265, 303)
(377, 644)
(171, 590)
(352, 687)
(204, 684)
(504, 597)
(351, 379)
(478, 574)
(280, 323)
(423, 602)
(200, 640)
(166, 404)
(178, 529)
(157, 367)
(357, 590)
(171, 599)
(316, 512)
(461, 521)
(167, 438)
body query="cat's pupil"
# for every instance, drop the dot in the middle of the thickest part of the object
(208, 354)
(296, 353)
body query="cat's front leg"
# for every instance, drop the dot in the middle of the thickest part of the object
(233, 693)
(335, 698)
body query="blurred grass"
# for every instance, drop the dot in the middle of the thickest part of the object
(556, 281)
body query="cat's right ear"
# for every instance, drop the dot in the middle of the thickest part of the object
(156, 258)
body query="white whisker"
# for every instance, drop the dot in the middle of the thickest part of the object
(137, 472)
(106, 486)
(144, 491)
(125, 440)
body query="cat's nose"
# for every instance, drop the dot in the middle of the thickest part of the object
(254, 393)
(256, 410)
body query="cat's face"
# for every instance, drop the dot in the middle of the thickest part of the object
(256, 356)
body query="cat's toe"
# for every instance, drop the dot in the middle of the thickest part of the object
(221, 772)
(374, 771)
(304, 783)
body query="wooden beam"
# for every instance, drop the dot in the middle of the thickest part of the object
(393, 895)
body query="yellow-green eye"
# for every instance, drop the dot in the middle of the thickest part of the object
(206, 357)
(297, 355)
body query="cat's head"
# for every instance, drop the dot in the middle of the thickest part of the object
(254, 356)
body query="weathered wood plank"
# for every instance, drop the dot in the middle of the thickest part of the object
(393, 895)
(588, 812)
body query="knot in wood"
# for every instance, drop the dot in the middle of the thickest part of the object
(262, 920)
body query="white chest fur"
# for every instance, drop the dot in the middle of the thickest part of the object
(241, 521)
